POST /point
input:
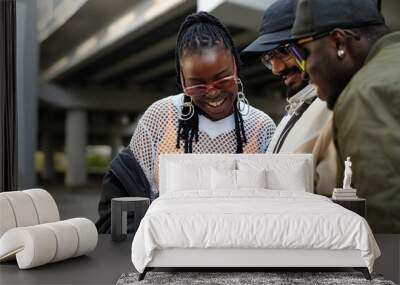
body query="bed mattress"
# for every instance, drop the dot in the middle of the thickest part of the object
(250, 219)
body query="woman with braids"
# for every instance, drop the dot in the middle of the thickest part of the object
(210, 116)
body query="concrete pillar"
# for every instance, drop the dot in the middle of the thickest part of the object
(115, 136)
(76, 133)
(115, 143)
(48, 151)
(27, 67)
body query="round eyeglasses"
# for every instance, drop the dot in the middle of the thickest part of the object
(281, 53)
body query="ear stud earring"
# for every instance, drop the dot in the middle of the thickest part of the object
(340, 53)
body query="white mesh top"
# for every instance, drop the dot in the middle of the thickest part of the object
(156, 131)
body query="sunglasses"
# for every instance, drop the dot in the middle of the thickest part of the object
(282, 53)
(300, 54)
(227, 83)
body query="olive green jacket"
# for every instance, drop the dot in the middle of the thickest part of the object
(367, 128)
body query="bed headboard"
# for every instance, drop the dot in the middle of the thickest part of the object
(287, 168)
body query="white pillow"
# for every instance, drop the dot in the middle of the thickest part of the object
(189, 176)
(295, 180)
(227, 179)
(251, 178)
(285, 174)
(223, 179)
(183, 178)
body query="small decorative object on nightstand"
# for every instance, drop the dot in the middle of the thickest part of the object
(345, 193)
(347, 196)
(120, 207)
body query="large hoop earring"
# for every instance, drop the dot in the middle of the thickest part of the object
(190, 113)
(242, 103)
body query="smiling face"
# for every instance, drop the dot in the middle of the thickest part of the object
(205, 67)
(321, 67)
(287, 69)
(327, 71)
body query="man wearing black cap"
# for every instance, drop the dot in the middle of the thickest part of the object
(306, 126)
(354, 61)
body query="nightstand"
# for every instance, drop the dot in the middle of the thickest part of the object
(120, 207)
(358, 205)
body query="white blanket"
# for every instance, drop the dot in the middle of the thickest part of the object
(255, 218)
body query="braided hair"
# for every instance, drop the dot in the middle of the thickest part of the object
(200, 31)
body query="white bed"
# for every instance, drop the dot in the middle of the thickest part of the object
(247, 211)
